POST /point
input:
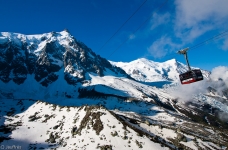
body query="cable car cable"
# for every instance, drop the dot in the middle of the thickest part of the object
(122, 26)
(163, 4)
(218, 36)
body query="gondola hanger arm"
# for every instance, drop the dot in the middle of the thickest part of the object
(184, 52)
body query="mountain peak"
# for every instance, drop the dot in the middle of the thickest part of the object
(46, 55)
(171, 61)
(142, 59)
(145, 60)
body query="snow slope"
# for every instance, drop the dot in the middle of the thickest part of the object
(30, 124)
(86, 127)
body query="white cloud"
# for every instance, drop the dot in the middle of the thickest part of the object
(225, 44)
(186, 92)
(218, 80)
(132, 36)
(159, 19)
(162, 46)
(194, 11)
(195, 17)
(192, 19)
(220, 72)
(189, 35)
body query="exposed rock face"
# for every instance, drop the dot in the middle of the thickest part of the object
(12, 63)
(46, 56)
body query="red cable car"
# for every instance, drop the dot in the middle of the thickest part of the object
(191, 75)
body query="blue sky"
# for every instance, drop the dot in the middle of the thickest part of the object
(179, 24)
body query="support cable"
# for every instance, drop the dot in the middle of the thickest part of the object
(218, 36)
(122, 26)
(139, 27)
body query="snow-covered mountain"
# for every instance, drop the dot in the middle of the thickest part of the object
(55, 92)
(45, 55)
(30, 63)
(149, 71)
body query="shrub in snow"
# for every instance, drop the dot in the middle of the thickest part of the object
(125, 137)
(51, 138)
(55, 127)
(114, 134)
(105, 147)
(73, 131)
(139, 144)
(181, 137)
(147, 122)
